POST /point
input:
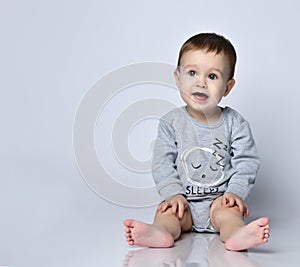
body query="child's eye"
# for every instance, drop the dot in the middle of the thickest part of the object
(212, 76)
(192, 73)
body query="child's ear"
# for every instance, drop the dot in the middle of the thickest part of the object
(176, 76)
(229, 86)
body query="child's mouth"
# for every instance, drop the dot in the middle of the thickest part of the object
(200, 96)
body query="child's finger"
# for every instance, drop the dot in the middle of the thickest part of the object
(246, 211)
(180, 210)
(240, 205)
(160, 206)
(174, 207)
(243, 208)
(165, 205)
(223, 201)
(231, 202)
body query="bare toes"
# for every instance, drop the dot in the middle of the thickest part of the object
(266, 236)
(129, 223)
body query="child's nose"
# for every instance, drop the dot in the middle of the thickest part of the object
(200, 82)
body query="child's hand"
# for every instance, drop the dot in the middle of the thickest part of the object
(178, 203)
(231, 200)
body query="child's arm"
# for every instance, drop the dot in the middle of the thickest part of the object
(244, 161)
(165, 153)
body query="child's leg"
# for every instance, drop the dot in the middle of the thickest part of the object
(233, 231)
(165, 229)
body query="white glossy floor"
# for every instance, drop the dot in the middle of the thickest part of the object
(193, 250)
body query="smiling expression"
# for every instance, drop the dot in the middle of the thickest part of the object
(203, 80)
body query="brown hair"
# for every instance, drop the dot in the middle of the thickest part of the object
(211, 42)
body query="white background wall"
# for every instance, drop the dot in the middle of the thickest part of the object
(52, 52)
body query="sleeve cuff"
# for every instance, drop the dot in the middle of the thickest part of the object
(239, 191)
(171, 190)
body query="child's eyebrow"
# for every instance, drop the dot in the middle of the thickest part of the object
(217, 70)
(190, 66)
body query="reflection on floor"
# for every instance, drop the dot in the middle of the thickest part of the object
(192, 250)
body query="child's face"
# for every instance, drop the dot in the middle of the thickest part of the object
(203, 80)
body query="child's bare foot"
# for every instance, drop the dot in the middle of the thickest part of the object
(250, 235)
(147, 235)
